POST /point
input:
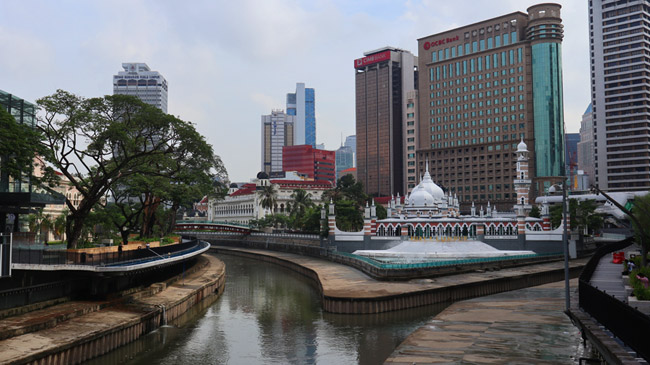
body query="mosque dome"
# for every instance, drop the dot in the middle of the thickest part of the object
(434, 190)
(420, 197)
(521, 147)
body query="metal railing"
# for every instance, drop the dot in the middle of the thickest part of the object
(40, 256)
(625, 322)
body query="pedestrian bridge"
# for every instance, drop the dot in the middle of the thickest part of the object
(211, 226)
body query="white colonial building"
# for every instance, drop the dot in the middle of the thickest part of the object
(243, 203)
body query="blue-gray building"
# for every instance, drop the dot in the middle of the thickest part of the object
(302, 104)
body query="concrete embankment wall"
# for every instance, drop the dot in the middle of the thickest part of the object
(379, 304)
(152, 317)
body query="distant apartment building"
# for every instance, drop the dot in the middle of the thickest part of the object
(619, 93)
(484, 88)
(586, 146)
(314, 163)
(383, 79)
(277, 132)
(302, 104)
(137, 79)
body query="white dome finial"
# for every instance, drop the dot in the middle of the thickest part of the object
(521, 147)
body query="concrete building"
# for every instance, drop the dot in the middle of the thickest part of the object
(137, 79)
(484, 88)
(619, 93)
(19, 196)
(314, 163)
(586, 147)
(277, 132)
(302, 104)
(383, 79)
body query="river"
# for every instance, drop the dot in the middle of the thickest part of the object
(271, 315)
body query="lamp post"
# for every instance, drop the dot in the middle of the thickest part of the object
(565, 245)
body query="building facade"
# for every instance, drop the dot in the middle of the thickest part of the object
(302, 104)
(383, 79)
(586, 147)
(137, 79)
(485, 87)
(277, 132)
(619, 73)
(344, 159)
(571, 152)
(314, 163)
(410, 140)
(243, 203)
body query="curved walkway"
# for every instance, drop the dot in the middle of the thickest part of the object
(347, 290)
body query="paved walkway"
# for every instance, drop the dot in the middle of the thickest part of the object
(342, 281)
(526, 326)
(607, 276)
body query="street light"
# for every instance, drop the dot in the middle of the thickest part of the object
(565, 244)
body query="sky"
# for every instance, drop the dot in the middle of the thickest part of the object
(229, 62)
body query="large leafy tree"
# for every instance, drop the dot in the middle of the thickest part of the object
(640, 219)
(583, 215)
(96, 143)
(349, 200)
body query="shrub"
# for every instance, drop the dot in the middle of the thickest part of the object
(640, 292)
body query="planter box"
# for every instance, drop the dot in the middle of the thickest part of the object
(642, 306)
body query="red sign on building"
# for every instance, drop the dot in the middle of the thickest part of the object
(373, 58)
(439, 42)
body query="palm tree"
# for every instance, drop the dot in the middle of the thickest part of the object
(268, 196)
(301, 201)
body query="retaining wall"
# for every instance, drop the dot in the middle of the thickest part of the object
(101, 342)
(412, 299)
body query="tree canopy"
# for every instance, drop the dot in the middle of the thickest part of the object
(109, 142)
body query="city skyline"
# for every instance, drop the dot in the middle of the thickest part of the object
(223, 77)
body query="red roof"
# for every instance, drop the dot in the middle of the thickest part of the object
(351, 169)
(249, 188)
(383, 200)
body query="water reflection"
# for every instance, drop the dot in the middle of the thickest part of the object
(270, 315)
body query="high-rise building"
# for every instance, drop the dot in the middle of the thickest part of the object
(486, 87)
(410, 140)
(383, 79)
(351, 141)
(316, 164)
(586, 146)
(344, 159)
(137, 79)
(619, 73)
(571, 152)
(302, 104)
(277, 132)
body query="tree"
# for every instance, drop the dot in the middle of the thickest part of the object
(97, 142)
(301, 200)
(640, 218)
(382, 213)
(268, 196)
(555, 213)
(583, 216)
(20, 144)
(534, 212)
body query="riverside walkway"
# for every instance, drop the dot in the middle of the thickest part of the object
(526, 326)
(74, 332)
(348, 290)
